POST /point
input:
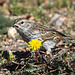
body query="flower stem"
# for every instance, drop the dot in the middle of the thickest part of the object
(36, 57)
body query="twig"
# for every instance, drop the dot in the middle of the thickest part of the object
(22, 67)
(17, 67)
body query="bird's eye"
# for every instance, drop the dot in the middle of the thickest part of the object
(22, 22)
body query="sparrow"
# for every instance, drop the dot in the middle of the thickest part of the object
(32, 30)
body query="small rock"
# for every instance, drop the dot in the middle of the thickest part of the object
(12, 33)
(6, 12)
(58, 20)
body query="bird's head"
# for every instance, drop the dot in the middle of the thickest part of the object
(21, 24)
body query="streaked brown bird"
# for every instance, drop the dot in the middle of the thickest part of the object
(32, 30)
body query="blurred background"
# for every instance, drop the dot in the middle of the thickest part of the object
(55, 13)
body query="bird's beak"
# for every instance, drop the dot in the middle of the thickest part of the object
(15, 25)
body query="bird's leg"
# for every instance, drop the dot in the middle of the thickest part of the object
(49, 59)
(50, 56)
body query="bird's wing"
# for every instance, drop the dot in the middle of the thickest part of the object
(49, 33)
(44, 33)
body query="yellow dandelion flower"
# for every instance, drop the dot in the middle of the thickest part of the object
(35, 44)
